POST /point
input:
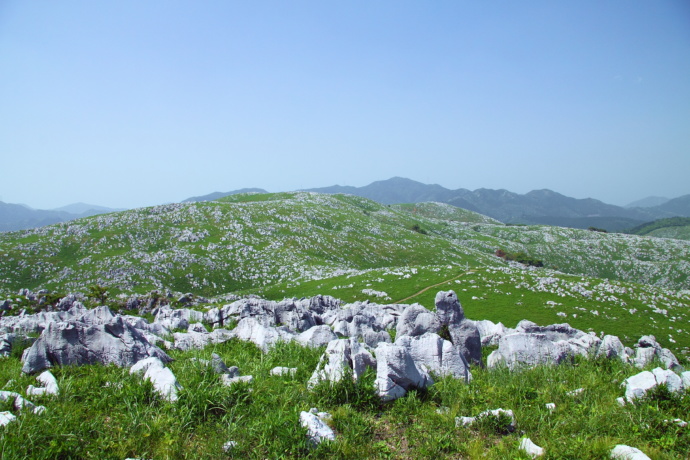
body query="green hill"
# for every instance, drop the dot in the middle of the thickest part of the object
(674, 227)
(303, 244)
(300, 244)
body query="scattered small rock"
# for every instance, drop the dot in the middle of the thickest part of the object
(50, 386)
(228, 446)
(289, 371)
(531, 448)
(317, 429)
(6, 418)
(624, 452)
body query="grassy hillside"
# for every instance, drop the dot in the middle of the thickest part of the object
(303, 244)
(250, 241)
(675, 227)
(241, 242)
(104, 412)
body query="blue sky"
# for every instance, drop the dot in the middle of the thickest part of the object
(132, 103)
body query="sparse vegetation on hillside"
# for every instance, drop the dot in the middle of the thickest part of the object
(674, 227)
(303, 244)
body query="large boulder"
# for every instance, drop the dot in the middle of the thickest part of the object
(363, 321)
(611, 347)
(253, 330)
(417, 320)
(397, 372)
(315, 423)
(528, 349)
(648, 349)
(162, 378)
(342, 356)
(169, 319)
(463, 333)
(552, 332)
(66, 343)
(197, 340)
(448, 320)
(490, 333)
(317, 336)
(638, 385)
(437, 355)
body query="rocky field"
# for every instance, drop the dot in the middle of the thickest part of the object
(211, 330)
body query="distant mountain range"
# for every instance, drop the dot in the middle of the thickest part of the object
(543, 207)
(536, 207)
(19, 217)
(648, 202)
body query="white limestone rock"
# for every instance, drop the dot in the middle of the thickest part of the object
(668, 377)
(528, 349)
(20, 403)
(49, 385)
(6, 418)
(281, 371)
(65, 343)
(623, 452)
(342, 356)
(417, 320)
(638, 385)
(317, 430)
(162, 378)
(611, 347)
(466, 421)
(251, 329)
(229, 381)
(490, 333)
(316, 336)
(397, 372)
(437, 355)
(531, 448)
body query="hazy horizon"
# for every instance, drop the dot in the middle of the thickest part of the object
(133, 104)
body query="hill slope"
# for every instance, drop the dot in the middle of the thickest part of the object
(249, 241)
(674, 227)
(535, 207)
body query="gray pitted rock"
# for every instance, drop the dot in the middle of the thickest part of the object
(490, 333)
(317, 336)
(162, 378)
(638, 385)
(612, 347)
(437, 355)
(76, 343)
(552, 332)
(317, 429)
(181, 318)
(251, 329)
(649, 349)
(197, 340)
(361, 320)
(342, 356)
(397, 372)
(463, 333)
(417, 320)
(528, 349)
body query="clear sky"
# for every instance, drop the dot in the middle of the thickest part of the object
(135, 103)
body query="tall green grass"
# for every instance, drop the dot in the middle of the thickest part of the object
(103, 412)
